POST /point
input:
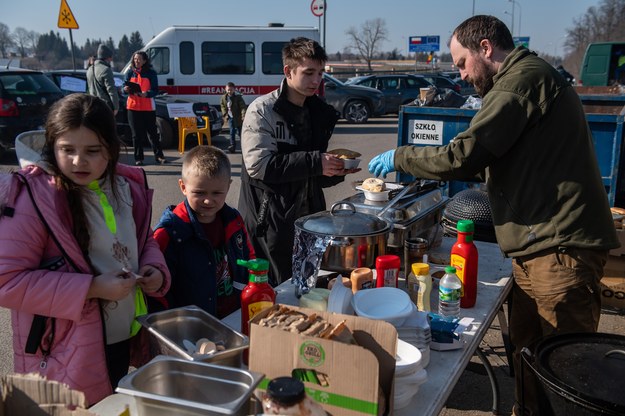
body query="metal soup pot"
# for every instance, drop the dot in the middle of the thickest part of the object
(356, 238)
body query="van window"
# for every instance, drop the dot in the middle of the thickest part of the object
(272, 57)
(187, 58)
(159, 58)
(228, 58)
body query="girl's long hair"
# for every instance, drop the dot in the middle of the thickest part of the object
(73, 112)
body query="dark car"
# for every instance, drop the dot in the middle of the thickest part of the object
(355, 103)
(25, 98)
(398, 90)
(442, 82)
(465, 87)
(71, 81)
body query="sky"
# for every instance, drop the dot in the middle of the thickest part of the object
(544, 21)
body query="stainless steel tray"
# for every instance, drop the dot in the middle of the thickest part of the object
(170, 328)
(405, 208)
(172, 386)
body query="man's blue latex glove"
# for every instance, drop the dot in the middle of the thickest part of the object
(383, 164)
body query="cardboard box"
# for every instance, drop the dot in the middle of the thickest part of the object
(613, 283)
(346, 378)
(32, 394)
(621, 250)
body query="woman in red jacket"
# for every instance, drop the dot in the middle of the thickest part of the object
(141, 108)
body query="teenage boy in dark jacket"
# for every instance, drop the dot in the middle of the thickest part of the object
(286, 164)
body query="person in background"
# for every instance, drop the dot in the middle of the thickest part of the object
(91, 60)
(566, 74)
(531, 142)
(233, 110)
(286, 165)
(100, 81)
(202, 237)
(141, 107)
(620, 68)
(76, 249)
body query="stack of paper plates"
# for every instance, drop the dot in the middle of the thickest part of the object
(416, 331)
(409, 373)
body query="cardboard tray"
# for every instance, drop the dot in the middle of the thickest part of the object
(345, 379)
(613, 283)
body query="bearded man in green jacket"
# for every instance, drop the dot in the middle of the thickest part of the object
(531, 143)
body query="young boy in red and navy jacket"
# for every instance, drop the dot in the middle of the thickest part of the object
(202, 237)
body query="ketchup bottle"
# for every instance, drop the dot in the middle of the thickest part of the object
(258, 294)
(464, 258)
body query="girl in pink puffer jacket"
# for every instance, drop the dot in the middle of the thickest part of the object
(77, 253)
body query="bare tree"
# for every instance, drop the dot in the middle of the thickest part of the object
(368, 40)
(32, 39)
(6, 41)
(21, 39)
(601, 23)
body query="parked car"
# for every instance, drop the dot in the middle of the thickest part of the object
(465, 87)
(355, 103)
(398, 89)
(71, 81)
(25, 98)
(441, 81)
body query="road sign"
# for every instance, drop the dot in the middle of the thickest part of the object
(521, 40)
(424, 43)
(66, 17)
(318, 7)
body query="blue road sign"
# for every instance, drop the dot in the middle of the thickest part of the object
(521, 40)
(424, 43)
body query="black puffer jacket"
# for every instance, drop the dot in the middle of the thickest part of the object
(282, 150)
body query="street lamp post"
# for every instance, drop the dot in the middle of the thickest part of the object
(514, 2)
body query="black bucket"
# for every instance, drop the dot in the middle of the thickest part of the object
(581, 374)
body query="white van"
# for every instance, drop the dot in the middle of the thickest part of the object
(196, 62)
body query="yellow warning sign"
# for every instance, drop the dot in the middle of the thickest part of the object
(66, 17)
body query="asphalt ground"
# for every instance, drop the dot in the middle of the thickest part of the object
(472, 394)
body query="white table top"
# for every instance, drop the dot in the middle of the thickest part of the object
(445, 367)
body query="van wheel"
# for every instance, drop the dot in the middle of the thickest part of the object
(166, 133)
(356, 112)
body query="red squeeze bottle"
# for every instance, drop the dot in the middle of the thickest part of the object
(258, 294)
(387, 270)
(464, 258)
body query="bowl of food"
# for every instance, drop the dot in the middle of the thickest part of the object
(351, 163)
(376, 189)
(349, 157)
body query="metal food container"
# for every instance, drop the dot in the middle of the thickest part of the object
(414, 212)
(172, 386)
(171, 328)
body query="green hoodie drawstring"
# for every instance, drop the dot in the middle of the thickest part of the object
(109, 217)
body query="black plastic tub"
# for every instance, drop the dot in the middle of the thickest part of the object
(581, 374)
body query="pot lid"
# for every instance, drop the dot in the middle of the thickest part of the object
(343, 221)
(587, 367)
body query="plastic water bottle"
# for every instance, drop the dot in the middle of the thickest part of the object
(449, 290)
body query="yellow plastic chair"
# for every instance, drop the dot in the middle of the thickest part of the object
(188, 125)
